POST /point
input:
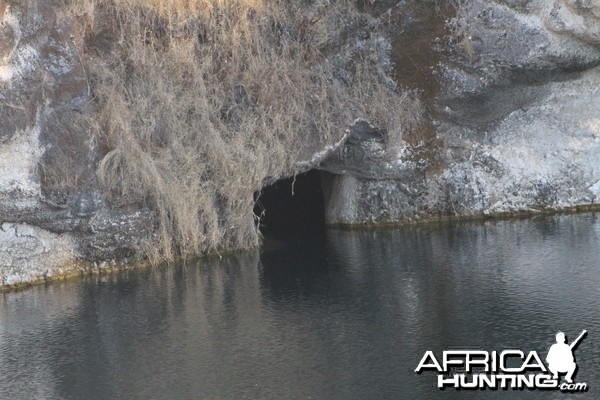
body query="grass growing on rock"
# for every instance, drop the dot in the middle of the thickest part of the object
(202, 103)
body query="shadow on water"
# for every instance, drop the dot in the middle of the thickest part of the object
(347, 315)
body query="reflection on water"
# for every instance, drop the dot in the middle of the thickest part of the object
(345, 316)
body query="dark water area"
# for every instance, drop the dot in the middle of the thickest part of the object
(347, 315)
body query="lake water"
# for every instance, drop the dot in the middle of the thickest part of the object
(344, 316)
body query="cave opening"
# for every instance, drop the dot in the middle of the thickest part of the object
(292, 208)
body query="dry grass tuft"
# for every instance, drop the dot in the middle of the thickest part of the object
(461, 28)
(204, 102)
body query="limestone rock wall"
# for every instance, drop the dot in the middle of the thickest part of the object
(510, 90)
(44, 93)
(29, 253)
(513, 123)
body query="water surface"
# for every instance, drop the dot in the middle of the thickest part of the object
(344, 316)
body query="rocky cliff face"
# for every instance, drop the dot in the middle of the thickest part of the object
(510, 90)
(45, 230)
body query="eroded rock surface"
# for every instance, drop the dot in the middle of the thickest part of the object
(512, 127)
(44, 92)
(511, 98)
(28, 253)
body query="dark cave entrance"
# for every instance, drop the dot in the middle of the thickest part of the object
(292, 208)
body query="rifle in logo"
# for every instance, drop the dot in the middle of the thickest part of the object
(506, 369)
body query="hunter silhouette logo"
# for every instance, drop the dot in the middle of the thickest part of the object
(507, 369)
(560, 357)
